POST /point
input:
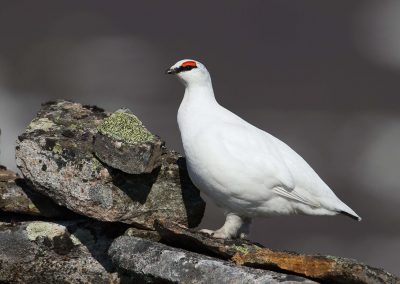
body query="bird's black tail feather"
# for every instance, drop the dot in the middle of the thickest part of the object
(350, 215)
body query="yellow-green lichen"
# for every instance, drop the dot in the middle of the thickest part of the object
(57, 149)
(44, 229)
(241, 249)
(96, 165)
(126, 127)
(31, 206)
(41, 123)
(73, 126)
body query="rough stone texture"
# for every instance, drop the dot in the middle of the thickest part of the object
(152, 262)
(56, 155)
(125, 144)
(67, 252)
(318, 267)
(144, 234)
(17, 196)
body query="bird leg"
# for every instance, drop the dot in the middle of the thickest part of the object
(235, 227)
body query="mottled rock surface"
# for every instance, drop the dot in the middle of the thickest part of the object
(318, 267)
(152, 262)
(56, 155)
(17, 196)
(144, 234)
(67, 252)
(111, 168)
(123, 143)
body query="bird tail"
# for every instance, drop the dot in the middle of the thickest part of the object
(347, 211)
(352, 216)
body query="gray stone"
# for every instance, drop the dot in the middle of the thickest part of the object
(124, 143)
(323, 268)
(152, 262)
(17, 196)
(66, 252)
(143, 234)
(56, 155)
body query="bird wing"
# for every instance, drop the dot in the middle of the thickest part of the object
(299, 195)
(251, 153)
(254, 152)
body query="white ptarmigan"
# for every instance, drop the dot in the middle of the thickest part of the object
(245, 170)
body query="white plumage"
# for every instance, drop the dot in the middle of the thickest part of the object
(243, 169)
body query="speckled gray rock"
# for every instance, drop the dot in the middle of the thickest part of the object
(56, 155)
(68, 252)
(322, 268)
(124, 143)
(143, 234)
(17, 196)
(151, 262)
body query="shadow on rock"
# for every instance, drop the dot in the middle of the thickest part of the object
(137, 187)
(188, 195)
(97, 237)
(44, 204)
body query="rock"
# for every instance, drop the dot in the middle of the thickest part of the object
(124, 143)
(17, 196)
(6, 175)
(149, 262)
(317, 267)
(66, 252)
(144, 234)
(56, 155)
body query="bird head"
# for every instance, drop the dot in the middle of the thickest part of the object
(189, 71)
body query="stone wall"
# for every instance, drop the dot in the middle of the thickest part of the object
(102, 200)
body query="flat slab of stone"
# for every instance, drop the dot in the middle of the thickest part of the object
(124, 143)
(57, 252)
(17, 196)
(322, 268)
(150, 262)
(56, 154)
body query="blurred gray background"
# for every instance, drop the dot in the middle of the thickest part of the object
(323, 76)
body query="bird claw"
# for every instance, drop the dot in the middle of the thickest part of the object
(207, 232)
(221, 235)
(218, 234)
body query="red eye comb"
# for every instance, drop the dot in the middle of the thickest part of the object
(189, 63)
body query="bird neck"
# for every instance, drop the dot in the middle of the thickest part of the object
(199, 94)
(197, 107)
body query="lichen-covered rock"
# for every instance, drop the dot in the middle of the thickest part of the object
(67, 252)
(149, 262)
(327, 269)
(56, 155)
(123, 125)
(144, 234)
(123, 143)
(17, 196)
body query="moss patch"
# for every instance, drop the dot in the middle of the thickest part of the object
(126, 127)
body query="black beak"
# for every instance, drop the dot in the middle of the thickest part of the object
(171, 71)
(179, 69)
